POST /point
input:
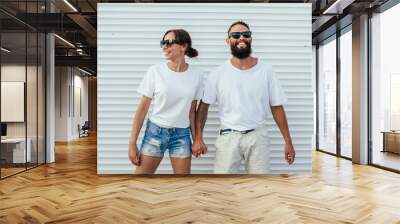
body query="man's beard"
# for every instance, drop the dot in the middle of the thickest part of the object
(241, 52)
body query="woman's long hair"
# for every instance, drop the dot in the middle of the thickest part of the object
(183, 37)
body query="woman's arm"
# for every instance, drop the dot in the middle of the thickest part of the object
(138, 120)
(192, 118)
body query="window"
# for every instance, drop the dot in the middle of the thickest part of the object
(327, 97)
(385, 89)
(346, 94)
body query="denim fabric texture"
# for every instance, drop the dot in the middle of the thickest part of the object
(159, 139)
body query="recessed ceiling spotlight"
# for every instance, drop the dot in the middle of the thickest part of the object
(64, 40)
(70, 5)
(5, 50)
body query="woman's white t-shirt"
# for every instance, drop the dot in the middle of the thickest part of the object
(172, 94)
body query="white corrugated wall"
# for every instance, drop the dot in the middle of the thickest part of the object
(128, 43)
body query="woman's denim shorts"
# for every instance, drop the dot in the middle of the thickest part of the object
(158, 139)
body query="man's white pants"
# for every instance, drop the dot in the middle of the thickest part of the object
(233, 147)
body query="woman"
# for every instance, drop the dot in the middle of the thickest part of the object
(174, 87)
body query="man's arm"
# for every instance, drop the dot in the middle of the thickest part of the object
(280, 118)
(201, 117)
(192, 118)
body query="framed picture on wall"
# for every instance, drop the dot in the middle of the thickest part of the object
(135, 43)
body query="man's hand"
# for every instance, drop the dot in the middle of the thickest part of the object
(199, 147)
(278, 112)
(290, 154)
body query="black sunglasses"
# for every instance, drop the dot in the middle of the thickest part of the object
(168, 43)
(236, 35)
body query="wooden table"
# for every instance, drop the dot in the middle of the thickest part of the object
(391, 141)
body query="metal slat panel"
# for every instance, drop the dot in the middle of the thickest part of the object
(128, 37)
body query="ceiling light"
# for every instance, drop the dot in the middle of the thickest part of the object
(79, 51)
(5, 50)
(70, 5)
(84, 71)
(338, 6)
(64, 40)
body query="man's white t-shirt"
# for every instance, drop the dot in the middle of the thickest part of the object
(244, 97)
(172, 94)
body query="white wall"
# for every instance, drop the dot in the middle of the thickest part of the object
(68, 81)
(12, 73)
(15, 73)
(61, 103)
(12, 101)
(82, 82)
(79, 117)
(128, 43)
(33, 127)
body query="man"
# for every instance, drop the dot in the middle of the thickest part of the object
(246, 91)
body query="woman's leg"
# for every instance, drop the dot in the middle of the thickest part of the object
(152, 149)
(181, 165)
(180, 150)
(148, 164)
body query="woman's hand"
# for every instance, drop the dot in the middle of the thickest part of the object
(141, 111)
(134, 154)
(198, 148)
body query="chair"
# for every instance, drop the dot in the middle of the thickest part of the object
(84, 130)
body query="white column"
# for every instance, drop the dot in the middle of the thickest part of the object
(50, 110)
(360, 90)
(50, 92)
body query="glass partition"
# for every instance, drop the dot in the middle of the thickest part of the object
(22, 88)
(327, 96)
(13, 105)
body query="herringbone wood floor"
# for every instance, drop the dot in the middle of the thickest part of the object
(70, 191)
